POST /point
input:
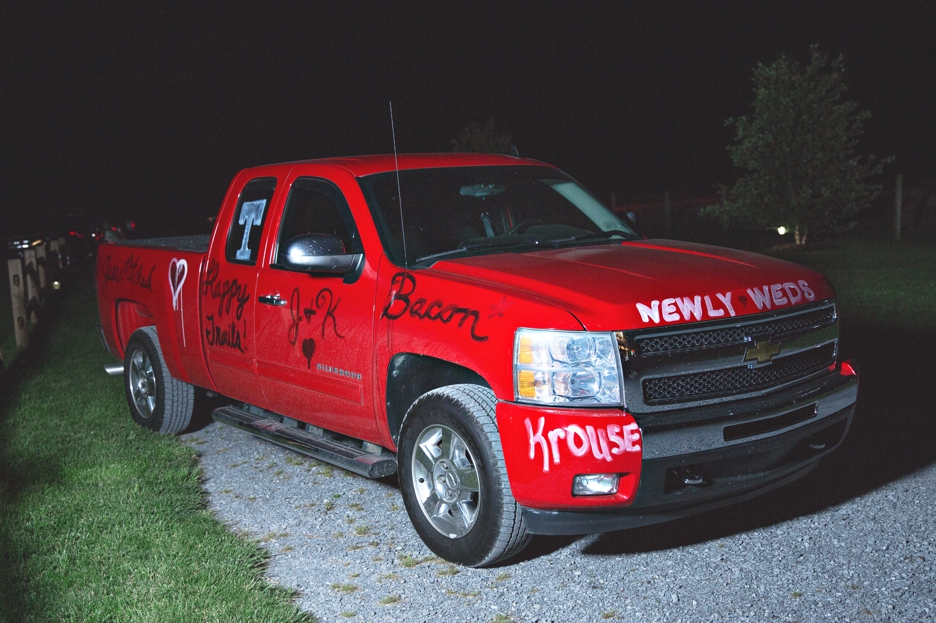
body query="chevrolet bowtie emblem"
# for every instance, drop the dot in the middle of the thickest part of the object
(762, 352)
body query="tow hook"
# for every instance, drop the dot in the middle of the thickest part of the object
(685, 476)
(691, 475)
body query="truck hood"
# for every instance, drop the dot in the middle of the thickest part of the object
(640, 284)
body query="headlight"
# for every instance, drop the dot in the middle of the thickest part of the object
(567, 367)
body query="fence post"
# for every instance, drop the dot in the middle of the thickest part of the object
(54, 265)
(30, 278)
(41, 270)
(898, 204)
(18, 297)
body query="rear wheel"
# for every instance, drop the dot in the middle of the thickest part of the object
(453, 478)
(157, 400)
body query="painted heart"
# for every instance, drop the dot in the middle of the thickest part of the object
(308, 349)
(178, 269)
(743, 299)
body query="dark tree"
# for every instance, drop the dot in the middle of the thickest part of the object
(798, 151)
(482, 138)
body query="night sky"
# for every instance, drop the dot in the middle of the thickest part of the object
(145, 110)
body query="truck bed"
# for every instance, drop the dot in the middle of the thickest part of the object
(155, 281)
(195, 244)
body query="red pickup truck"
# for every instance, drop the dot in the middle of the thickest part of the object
(484, 328)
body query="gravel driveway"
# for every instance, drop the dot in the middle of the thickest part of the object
(813, 551)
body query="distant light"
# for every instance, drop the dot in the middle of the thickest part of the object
(56, 285)
(781, 230)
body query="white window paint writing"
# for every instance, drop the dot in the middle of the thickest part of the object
(251, 214)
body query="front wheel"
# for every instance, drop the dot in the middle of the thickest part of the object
(453, 478)
(157, 400)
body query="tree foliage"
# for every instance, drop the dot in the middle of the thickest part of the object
(482, 138)
(798, 151)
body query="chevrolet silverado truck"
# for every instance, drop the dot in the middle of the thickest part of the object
(483, 328)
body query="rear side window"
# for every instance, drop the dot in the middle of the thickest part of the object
(243, 243)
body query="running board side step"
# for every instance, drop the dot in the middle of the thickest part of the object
(334, 451)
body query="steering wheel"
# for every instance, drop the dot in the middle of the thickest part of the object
(524, 224)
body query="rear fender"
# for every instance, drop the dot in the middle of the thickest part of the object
(130, 317)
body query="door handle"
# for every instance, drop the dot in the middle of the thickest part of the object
(271, 299)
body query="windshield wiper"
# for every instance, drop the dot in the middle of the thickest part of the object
(592, 235)
(483, 243)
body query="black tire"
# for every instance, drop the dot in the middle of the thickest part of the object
(476, 522)
(157, 400)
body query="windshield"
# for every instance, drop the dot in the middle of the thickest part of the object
(461, 211)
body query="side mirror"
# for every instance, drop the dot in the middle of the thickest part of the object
(320, 253)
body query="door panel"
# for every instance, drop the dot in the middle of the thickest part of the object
(314, 331)
(228, 294)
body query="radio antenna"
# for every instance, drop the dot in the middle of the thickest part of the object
(396, 165)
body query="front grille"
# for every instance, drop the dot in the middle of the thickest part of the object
(695, 364)
(729, 381)
(732, 335)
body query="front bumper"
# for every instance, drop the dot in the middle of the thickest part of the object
(716, 458)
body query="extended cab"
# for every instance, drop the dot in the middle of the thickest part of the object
(487, 330)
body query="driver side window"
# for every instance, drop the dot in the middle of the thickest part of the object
(315, 207)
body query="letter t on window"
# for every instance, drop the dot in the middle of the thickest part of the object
(251, 214)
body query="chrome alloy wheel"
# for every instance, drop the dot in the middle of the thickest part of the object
(446, 481)
(143, 383)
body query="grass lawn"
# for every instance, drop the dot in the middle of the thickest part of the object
(892, 284)
(100, 519)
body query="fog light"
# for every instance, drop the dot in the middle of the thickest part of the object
(595, 484)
